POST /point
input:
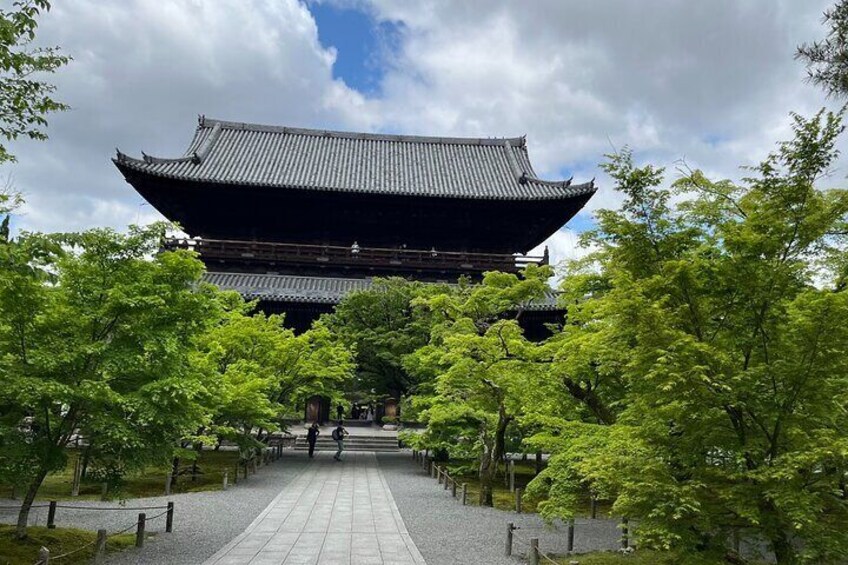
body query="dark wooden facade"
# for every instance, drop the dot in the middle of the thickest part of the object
(297, 218)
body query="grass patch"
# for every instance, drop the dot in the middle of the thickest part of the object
(640, 557)
(58, 541)
(149, 482)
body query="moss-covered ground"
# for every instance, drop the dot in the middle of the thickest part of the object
(149, 482)
(58, 541)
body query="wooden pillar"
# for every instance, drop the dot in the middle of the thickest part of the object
(100, 547)
(169, 518)
(51, 515)
(534, 551)
(139, 532)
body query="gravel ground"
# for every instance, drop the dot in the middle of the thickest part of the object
(448, 533)
(203, 522)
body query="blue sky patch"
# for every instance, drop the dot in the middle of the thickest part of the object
(362, 44)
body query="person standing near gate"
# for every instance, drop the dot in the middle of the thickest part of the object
(338, 435)
(312, 436)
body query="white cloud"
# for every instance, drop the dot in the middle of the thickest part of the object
(142, 71)
(713, 82)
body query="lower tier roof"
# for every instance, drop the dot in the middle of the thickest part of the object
(314, 290)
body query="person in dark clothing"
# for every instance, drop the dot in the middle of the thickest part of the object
(312, 436)
(340, 412)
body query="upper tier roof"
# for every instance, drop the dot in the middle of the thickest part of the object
(250, 154)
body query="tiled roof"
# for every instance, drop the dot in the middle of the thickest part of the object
(250, 154)
(312, 290)
(287, 288)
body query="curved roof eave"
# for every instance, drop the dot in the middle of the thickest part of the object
(569, 191)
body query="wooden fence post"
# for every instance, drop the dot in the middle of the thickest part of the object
(453, 488)
(169, 518)
(593, 507)
(511, 475)
(534, 551)
(570, 545)
(100, 547)
(518, 495)
(226, 479)
(464, 494)
(168, 479)
(508, 549)
(139, 533)
(624, 533)
(439, 474)
(51, 515)
(447, 480)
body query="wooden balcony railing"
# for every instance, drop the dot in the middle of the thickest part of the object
(240, 251)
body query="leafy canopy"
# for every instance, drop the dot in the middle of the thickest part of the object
(714, 329)
(24, 99)
(95, 339)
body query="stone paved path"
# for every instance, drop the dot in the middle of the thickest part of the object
(332, 513)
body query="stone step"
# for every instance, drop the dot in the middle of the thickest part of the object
(352, 443)
(328, 444)
(349, 448)
(374, 439)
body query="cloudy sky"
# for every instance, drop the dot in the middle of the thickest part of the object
(712, 82)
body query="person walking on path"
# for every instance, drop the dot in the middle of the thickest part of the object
(338, 435)
(339, 412)
(311, 437)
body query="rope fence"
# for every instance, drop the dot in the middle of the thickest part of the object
(44, 557)
(245, 466)
(534, 554)
(530, 544)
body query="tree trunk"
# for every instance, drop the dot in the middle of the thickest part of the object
(538, 462)
(85, 457)
(784, 553)
(592, 401)
(175, 471)
(493, 456)
(23, 515)
(198, 447)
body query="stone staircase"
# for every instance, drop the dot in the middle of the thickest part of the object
(357, 441)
